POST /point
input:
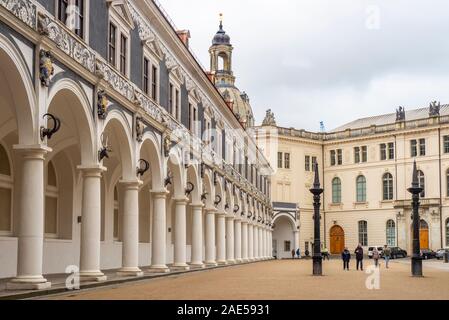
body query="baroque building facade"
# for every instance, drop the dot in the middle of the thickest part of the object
(117, 150)
(367, 169)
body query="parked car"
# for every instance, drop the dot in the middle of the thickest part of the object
(371, 249)
(440, 253)
(397, 252)
(428, 254)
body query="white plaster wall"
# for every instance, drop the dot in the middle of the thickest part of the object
(8, 257)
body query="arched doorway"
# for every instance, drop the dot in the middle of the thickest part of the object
(284, 236)
(424, 235)
(337, 240)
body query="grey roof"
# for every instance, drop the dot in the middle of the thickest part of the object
(284, 205)
(390, 118)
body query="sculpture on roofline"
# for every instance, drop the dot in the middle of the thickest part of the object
(269, 119)
(434, 109)
(400, 114)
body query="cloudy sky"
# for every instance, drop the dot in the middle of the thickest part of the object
(327, 60)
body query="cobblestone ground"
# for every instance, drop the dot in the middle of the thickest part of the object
(283, 280)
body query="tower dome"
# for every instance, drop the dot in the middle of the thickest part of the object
(221, 38)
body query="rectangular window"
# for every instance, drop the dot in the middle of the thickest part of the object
(339, 157)
(170, 98)
(363, 233)
(154, 81)
(383, 152)
(446, 144)
(356, 155)
(287, 161)
(280, 155)
(51, 216)
(314, 161)
(176, 115)
(413, 148)
(5, 210)
(112, 44)
(62, 10)
(391, 151)
(79, 18)
(287, 246)
(146, 75)
(364, 154)
(422, 147)
(123, 54)
(333, 158)
(116, 222)
(307, 163)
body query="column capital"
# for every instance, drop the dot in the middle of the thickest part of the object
(230, 217)
(161, 193)
(221, 214)
(181, 200)
(93, 170)
(131, 184)
(197, 205)
(244, 222)
(37, 151)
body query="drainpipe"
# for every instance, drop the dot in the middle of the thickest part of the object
(441, 189)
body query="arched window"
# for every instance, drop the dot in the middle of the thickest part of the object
(361, 189)
(363, 233)
(116, 215)
(336, 190)
(51, 203)
(447, 182)
(387, 182)
(391, 233)
(422, 183)
(6, 185)
(447, 232)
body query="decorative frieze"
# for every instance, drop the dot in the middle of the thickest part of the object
(25, 10)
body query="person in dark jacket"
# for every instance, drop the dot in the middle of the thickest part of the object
(346, 256)
(359, 256)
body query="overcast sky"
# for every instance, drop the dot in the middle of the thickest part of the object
(327, 60)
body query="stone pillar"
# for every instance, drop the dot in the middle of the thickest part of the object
(221, 239)
(296, 243)
(245, 241)
(250, 242)
(159, 233)
(91, 225)
(210, 237)
(261, 255)
(230, 240)
(264, 243)
(256, 242)
(130, 251)
(197, 236)
(238, 240)
(31, 216)
(180, 261)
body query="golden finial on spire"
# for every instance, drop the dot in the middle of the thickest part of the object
(221, 20)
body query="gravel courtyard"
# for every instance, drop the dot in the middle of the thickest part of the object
(281, 280)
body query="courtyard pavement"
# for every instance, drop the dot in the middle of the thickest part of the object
(282, 280)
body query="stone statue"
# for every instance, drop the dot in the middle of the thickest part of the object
(269, 119)
(434, 109)
(102, 104)
(140, 127)
(400, 114)
(46, 68)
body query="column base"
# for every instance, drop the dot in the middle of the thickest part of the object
(159, 269)
(130, 272)
(198, 265)
(222, 263)
(211, 264)
(92, 276)
(245, 260)
(238, 261)
(28, 283)
(180, 267)
(231, 261)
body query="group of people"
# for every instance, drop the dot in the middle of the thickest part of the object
(346, 257)
(297, 254)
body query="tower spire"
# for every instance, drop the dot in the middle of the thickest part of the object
(221, 21)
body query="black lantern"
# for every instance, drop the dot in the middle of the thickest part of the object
(317, 191)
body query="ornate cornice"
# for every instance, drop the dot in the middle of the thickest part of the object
(25, 10)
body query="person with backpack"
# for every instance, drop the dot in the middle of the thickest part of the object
(298, 253)
(346, 257)
(359, 256)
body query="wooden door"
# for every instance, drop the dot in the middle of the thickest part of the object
(424, 238)
(337, 240)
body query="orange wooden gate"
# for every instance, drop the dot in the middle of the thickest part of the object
(337, 237)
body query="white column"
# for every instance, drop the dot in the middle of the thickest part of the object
(31, 217)
(296, 243)
(230, 240)
(180, 261)
(210, 237)
(238, 240)
(250, 242)
(245, 241)
(265, 242)
(256, 242)
(270, 243)
(159, 233)
(221, 238)
(197, 236)
(130, 251)
(260, 242)
(91, 225)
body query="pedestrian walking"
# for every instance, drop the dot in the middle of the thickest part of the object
(387, 255)
(293, 254)
(325, 253)
(376, 256)
(298, 253)
(346, 257)
(359, 256)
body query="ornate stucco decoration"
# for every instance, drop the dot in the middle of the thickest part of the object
(25, 10)
(46, 69)
(140, 127)
(102, 104)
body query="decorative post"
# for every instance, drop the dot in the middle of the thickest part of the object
(317, 191)
(415, 190)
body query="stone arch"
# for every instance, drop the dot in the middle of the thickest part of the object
(176, 167)
(220, 192)
(209, 189)
(193, 177)
(16, 80)
(284, 235)
(229, 200)
(69, 102)
(150, 150)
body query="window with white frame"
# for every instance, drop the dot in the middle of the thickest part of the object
(174, 98)
(6, 189)
(219, 142)
(193, 118)
(150, 83)
(51, 202)
(75, 15)
(120, 25)
(207, 136)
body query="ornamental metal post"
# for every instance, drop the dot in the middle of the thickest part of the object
(317, 191)
(415, 190)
